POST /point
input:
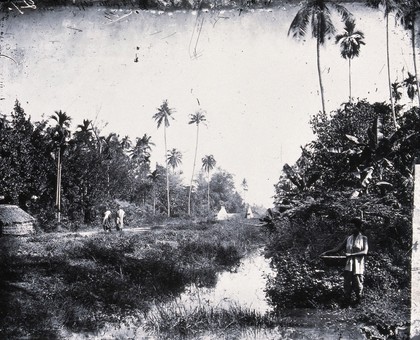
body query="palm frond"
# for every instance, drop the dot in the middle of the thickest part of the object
(344, 13)
(163, 114)
(299, 25)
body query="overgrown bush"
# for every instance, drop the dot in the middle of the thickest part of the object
(300, 283)
(297, 240)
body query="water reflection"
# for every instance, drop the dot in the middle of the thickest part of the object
(243, 288)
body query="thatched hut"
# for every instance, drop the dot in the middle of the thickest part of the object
(15, 221)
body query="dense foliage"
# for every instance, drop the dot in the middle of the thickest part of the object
(94, 171)
(357, 166)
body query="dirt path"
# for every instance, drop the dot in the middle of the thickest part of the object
(101, 231)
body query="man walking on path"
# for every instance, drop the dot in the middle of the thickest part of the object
(356, 247)
(120, 219)
(106, 222)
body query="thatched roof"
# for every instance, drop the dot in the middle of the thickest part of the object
(12, 214)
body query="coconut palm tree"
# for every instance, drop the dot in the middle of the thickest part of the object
(395, 7)
(350, 42)
(208, 163)
(316, 16)
(61, 133)
(174, 158)
(162, 116)
(196, 118)
(411, 12)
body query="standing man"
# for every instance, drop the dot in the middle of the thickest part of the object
(120, 218)
(106, 222)
(356, 247)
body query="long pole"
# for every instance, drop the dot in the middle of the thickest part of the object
(58, 186)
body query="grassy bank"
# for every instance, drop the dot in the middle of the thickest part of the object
(50, 283)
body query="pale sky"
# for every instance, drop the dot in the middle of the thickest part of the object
(258, 86)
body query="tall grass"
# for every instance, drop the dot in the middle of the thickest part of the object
(178, 320)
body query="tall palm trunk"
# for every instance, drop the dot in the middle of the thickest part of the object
(192, 175)
(58, 187)
(108, 180)
(413, 46)
(208, 192)
(154, 200)
(167, 173)
(394, 120)
(321, 86)
(349, 80)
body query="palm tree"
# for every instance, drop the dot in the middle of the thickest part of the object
(86, 126)
(196, 119)
(60, 136)
(396, 7)
(174, 158)
(396, 91)
(109, 145)
(108, 149)
(244, 186)
(126, 143)
(316, 16)
(411, 12)
(142, 148)
(208, 163)
(154, 177)
(411, 84)
(84, 133)
(350, 42)
(162, 116)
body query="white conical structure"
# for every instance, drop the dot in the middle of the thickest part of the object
(249, 213)
(222, 214)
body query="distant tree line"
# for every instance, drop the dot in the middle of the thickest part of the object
(56, 174)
